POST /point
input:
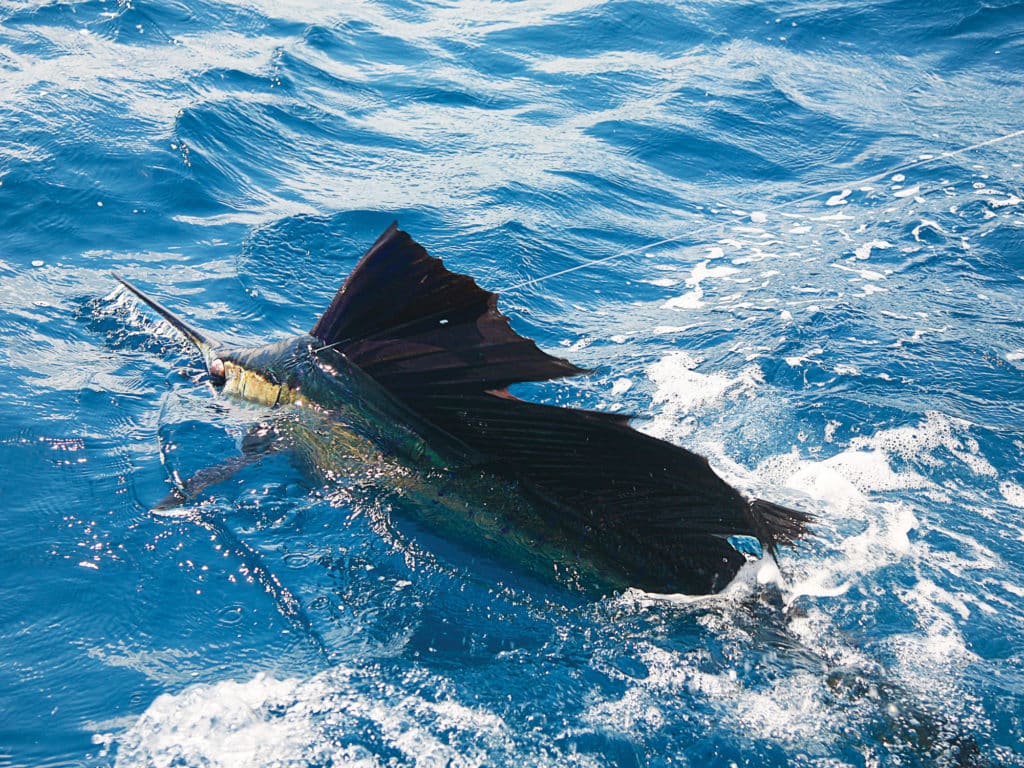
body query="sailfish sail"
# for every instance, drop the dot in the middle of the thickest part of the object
(436, 341)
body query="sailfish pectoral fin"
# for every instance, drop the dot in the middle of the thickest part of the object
(189, 489)
(259, 442)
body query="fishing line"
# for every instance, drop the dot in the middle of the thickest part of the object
(772, 209)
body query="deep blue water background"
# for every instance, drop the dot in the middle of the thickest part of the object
(831, 332)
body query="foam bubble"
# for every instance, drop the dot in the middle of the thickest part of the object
(827, 483)
(662, 282)
(691, 300)
(1000, 202)
(621, 386)
(917, 443)
(700, 273)
(795, 361)
(927, 224)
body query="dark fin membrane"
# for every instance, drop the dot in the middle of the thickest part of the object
(435, 340)
(414, 326)
(656, 512)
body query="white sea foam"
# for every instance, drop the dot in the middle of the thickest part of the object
(621, 386)
(865, 529)
(682, 390)
(874, 532)
(870, 274)
(795, 361)
(838, 199)
(908, 191)
(691, 300)
(662, 282)
(700, 273)
(864, 251)
(1013, 493)
(343, 716)
(999, 202)
(792, 711)
(927, 224)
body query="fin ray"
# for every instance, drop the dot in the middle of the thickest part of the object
(658, 510)
(415, 326)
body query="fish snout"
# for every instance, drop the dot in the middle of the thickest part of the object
(217, 372)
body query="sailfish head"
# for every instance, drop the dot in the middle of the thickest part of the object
(247, 373)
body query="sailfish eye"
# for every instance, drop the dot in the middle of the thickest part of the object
(217, 370)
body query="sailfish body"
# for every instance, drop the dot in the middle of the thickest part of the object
(403, 381)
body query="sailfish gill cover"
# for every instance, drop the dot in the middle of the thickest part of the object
(832, 317)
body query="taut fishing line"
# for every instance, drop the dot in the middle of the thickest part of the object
(772, 209)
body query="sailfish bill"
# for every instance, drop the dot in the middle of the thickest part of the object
(404, 380)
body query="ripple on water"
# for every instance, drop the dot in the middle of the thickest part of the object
(836, 329)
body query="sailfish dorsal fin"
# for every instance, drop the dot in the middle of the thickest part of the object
(415, 326)
(656, 512)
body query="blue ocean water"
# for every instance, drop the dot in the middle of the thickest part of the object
(835, 321)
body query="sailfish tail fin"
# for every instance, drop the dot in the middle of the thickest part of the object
(777, 524)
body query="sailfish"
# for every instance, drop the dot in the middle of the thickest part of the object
(403, 383)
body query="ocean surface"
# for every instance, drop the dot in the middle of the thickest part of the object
(808, 229)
